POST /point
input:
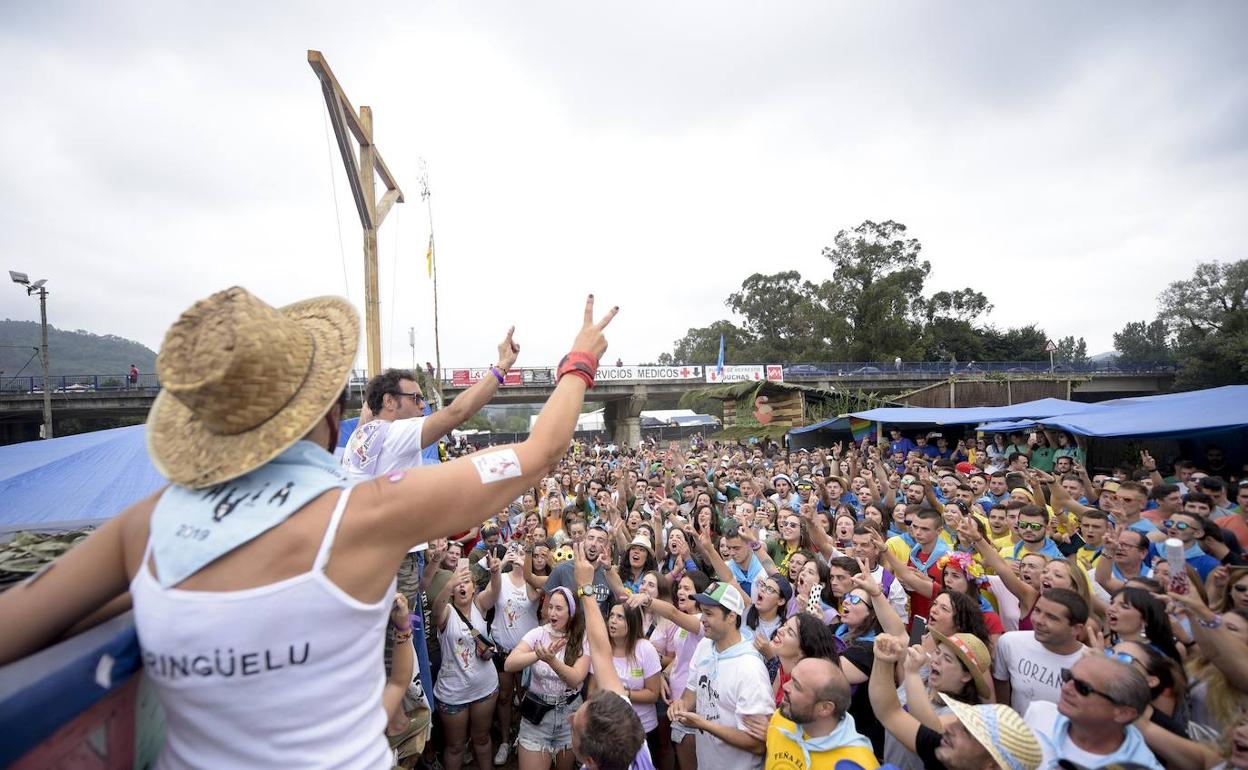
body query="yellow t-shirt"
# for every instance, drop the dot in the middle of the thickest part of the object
(784, 754)
(1001, 542)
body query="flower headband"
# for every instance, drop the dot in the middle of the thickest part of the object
(966, 563)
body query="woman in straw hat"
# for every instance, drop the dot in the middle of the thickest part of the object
(988, 736)
(261, 580)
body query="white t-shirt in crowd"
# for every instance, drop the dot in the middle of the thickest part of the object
(381, 446)
(542, 678)
(727, 692)
(463, 677)
(1055, 743)
(897, 596)
(633, 673)
(1034, 673)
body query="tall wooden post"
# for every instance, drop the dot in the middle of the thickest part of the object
(362, 179)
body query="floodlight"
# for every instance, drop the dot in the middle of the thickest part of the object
(19, 277)
(39, 283)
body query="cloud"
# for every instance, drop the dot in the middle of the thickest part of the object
(1068, 160)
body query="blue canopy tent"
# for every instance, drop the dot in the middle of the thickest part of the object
(1173, 415)
(902, 416)
(823, 433)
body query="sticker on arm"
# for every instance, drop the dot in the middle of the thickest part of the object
(497, 466)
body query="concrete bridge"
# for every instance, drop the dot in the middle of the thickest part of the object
(625, 390)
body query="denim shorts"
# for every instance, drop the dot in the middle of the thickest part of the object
(451, 709)
(554, 734)
(680, 732)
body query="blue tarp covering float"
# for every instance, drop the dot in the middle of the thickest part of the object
(1172, 415)
(902, 416)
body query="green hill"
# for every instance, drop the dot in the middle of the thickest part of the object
(76, 352)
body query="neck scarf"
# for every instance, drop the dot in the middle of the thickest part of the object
(938, 550)
(191, 528)
(740, 649)
(844, 735)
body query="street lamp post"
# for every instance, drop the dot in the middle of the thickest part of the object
(41, 288)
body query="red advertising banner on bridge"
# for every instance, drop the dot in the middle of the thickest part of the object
(746, 373)
(466, 377)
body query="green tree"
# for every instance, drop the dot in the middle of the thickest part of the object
(780, 309)
(1023, 343)
(1207, 315)
(1071, 351)
(874, 299)
(1140, 342)
(701, 346)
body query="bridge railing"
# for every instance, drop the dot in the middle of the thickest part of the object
(78, 383)
(544, 375)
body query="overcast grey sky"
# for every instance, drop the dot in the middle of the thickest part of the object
(1067, 159)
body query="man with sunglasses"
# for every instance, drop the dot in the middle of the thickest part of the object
(1033, 537)
(1091, 723)
(394, 431)
(1189, 529)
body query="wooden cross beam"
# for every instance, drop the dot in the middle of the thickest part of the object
(362, 178)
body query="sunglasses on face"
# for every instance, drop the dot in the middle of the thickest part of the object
(419, 398)
(1035, 526)
(1121, 657)
(1083, 688)
(788, 524)
(851, 600)
(1179, 525)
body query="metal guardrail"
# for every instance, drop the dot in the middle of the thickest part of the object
(539, 375)
(79, 383)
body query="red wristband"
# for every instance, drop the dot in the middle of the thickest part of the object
(580, 363)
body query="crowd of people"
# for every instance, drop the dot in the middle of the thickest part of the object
(913, 602)
(908, 602)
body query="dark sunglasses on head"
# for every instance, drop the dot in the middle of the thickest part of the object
(1083, 688)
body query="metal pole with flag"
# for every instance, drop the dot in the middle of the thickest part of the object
(719, 365)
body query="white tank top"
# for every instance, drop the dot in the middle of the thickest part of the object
(463, 677)
(514, 613)
(283, 675)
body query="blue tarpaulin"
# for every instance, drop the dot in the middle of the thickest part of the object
(74, 481)
(974, 415)
(86, 479)
(836, 423)
(1171, 415)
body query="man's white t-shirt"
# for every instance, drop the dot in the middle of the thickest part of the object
(379, 447)
(727, 692)
(1034, 673)
(897, 595)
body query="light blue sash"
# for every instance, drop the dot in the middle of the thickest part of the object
(192, 528)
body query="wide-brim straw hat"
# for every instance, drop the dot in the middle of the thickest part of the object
(242, 381)
(974, 656)
(1001, 731)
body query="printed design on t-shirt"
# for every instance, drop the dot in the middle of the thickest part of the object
(464, 650)
(1038, 673)
(510, 613)
(708, 699)
(365, 446)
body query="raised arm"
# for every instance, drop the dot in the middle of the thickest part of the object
(596, 631)
(470, 401)
(918, 703)
(402, 664)
(882, 690)
(992, 559)
(487, 598)
(890, 621)
(450, 497)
